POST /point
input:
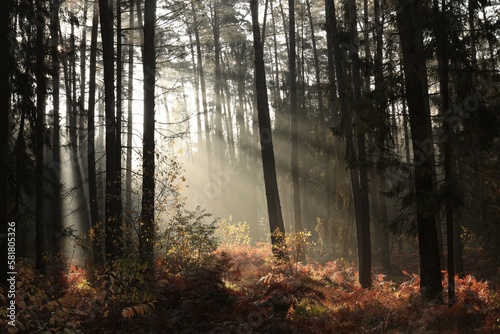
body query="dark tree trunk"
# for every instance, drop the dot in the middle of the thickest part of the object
(294, 138)
(360, 188)
(381, 106)
(56, 142)
(240, 113)
(148, 174)
(112, 240)
(83, 69)
(5, 7)
(414, 65)
(266, 143)
(443, 67)
(385, 254)
(40, 129)
(317, 71)
(93, 199)
(73, 134)
(130, 97)
(119, 112)
(362, 220)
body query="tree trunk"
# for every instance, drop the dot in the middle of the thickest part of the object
(197, 91)
(219, 134)
(316, 67)
(240, 114)
(361, 201)
(414, 65)
(266, 143)
(277, 93)
(40, 129)
(381, 105)
(83, 69)
(294, 138)
(73, 115)
(364, 250)
(119, 112)
(112, 241)
(5, 26)
(148, 174)
(130, 96)
(385, 254)
(203, 90)
(93, 199)
(226, 96)
(56, 140)
(443, 69)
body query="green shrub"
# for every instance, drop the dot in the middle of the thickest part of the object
(188, 240)
(233, 234)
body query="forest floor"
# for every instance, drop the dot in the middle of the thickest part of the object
(242, 291)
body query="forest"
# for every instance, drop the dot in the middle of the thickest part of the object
(249, 166)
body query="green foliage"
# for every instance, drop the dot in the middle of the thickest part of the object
(297, 244)
(233, 234)
(188, 240)
(310, 308)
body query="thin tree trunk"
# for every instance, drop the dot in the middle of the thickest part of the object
(40, 129)
(316, 67)
(197, 91)
(294, 138)
(381, 105)
(277, 94)
(227, 112)
(385, 253)
(83, 69)
(112, 241)
(119, 112)
(361, 201)
(148, 174)
(203, 90)
(93, 197)
(56, 140)
(130, 96)
(442, 55)
(5, 26)
(73, 115)
(266, 143)
(219, 134)
(240, 114)
(284, 27)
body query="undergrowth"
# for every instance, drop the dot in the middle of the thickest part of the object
(240, 290)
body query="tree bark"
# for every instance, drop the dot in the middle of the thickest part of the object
(130, 96)
(411, 39)
(40, 129)
(56, 140)
(203, 90)
(443, 69)
(93, 199)
(360, 188)
(112, 241)
(294, 138)
(219, 134)
(5, 26)
(266, 144)
(119, 113)
(148, 174)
